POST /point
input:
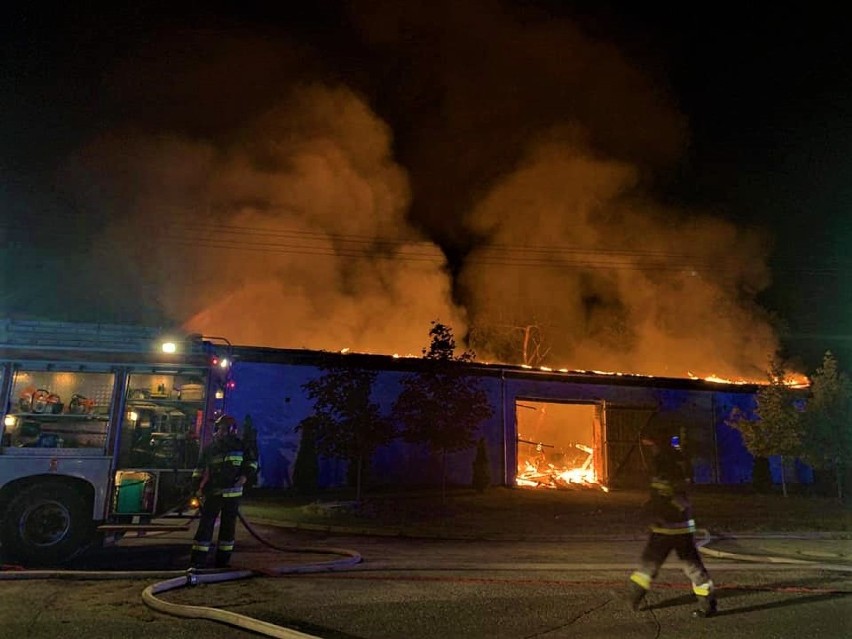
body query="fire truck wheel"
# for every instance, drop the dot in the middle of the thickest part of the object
(46, 524)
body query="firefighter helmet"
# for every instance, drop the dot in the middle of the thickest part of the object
(227, 424)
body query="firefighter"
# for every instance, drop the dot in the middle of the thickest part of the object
(672, 527)
(225, 466)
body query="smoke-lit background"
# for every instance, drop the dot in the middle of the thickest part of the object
(339, 177)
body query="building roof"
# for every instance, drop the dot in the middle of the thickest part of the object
(306, 357)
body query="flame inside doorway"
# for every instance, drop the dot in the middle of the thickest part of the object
(556, 445)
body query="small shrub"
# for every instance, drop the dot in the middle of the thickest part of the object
(481, 467)
(306, 467)
(761, 478)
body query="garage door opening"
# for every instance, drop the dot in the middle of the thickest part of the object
(559, 445)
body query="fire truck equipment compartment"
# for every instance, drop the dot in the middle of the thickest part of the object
(132, 489)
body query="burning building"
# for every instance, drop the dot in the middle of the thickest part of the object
(550, 429)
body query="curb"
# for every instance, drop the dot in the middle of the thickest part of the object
(403, 534)
(703, 539)
(702, 535)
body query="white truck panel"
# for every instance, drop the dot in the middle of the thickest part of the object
(29, 463)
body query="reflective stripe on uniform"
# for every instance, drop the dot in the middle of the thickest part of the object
(200, 546)
(642, 579)
(663, 487)
(682, 528)
(226, 546)
(233, 492)
(703, 590)
(235, 458)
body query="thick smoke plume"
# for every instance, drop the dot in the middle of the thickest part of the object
(292, 235)
(262, 197)
(604, 280)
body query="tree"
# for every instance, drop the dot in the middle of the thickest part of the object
(524, 343)
(306, 467)
(828, 421)
(442, 407)
(761, 475)
(777, 426)
(346, 424)
(481, 467)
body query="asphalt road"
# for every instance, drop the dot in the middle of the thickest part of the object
(413, 589)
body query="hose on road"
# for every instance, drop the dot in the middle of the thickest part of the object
(176, 579)
(347, 558)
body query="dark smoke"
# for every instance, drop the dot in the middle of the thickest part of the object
(478, 163)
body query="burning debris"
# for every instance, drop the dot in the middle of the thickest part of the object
(557, 468)
(555, 445)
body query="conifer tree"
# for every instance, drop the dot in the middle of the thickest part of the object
(306, 466)
(481, 467)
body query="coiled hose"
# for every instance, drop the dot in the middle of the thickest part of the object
(347, 559)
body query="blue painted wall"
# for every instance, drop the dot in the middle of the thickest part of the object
(273, 395)
(735, 462)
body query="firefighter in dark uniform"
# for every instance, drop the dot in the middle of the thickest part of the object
(672, 526)
(225, 466)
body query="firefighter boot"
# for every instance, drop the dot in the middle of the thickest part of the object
(223, 554)
(223, 559)
(198, 559)
(635, 595)
(706, 607)
(198, 556)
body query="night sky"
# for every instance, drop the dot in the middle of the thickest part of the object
(657, 190)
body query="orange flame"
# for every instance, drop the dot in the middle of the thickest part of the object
(534, 472)
(792, 380)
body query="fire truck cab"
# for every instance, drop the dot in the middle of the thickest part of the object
(100, 429)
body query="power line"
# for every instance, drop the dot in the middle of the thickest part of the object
(319, 243)
(174, 226)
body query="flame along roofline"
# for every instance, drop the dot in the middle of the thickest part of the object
(412, 363)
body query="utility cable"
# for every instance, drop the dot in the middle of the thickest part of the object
(328, 244)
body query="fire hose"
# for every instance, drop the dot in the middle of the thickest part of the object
(192, 578)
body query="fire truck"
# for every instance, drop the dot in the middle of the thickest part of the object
(101, 426)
